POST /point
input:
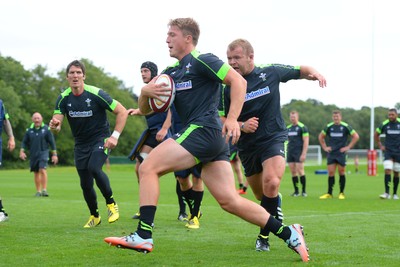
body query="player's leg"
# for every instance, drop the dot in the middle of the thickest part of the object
(3, 214)
(331, 177)
(342, 176)
(197, 195)
(158, 163)
(43, 181)
(396, 170)
(95, 168)
(142, 154)
(36, 178)
(219, 179)
(295, 178)
(303, 180)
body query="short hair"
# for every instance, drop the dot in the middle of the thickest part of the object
(244, 44)
(336, 111)
(393, 110)
(188, 26)
(78, 64)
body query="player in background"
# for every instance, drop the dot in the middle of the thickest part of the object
(337, 134)
(85, 107)
(298, 137)
(5, 123)
(391, 148)
(38, 138)
(158, 127)
(262, 142)
(202, 139)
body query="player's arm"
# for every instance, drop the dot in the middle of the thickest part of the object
(238, 91)
(309, 73)
(24, 145)
(56, 122)
(321, 139)
(306, 140)
(354, 139)
(378, 140)
(9, 131)
(120, 121)
(165, 127)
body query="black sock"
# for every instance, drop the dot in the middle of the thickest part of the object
(271, 206)
(395, 184)
(295, 181)
(240, 185)
(181, 202)
(331, 182)
(342, 182)
(277, 228)
(244, 188)
(197, 198)
(387, 182)
(146, 222)
(303, 183)
(188, 195)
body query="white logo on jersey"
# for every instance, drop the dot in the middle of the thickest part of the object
(257, 93)
(183, 85)
(88, 102)
(188, 67)
(80, 114)
(262, 76)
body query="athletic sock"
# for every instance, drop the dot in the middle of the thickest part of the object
(271, 206)
(387, 182)
(240, 186)
(303, 183)
(181, 202)
(395, 184)
(331, 182)
(277, 228)
(342, 182)
(146, 222)
(197, 198)
(188, 195)
(295, 180)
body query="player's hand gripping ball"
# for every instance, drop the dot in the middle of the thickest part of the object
(160, 106)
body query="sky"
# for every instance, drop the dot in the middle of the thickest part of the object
(353, 43)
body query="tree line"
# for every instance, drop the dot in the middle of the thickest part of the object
(27, 91)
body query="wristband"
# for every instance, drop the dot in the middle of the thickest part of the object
(115, 134)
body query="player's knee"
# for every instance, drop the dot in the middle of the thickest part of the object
(396, 167)
(388, 165)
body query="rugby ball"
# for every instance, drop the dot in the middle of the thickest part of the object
(160, 106)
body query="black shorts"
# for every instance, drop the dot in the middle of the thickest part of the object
(390, 155)
(83, 154)
(293, 155)
(337, 158)
(204, 143)
(39, 161)
(252, 159)
(151, 140)
(196, 171)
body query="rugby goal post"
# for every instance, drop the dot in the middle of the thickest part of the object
(314, 155)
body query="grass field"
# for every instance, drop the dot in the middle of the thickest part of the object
(358, 231)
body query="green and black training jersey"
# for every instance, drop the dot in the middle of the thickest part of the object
(86, 113)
